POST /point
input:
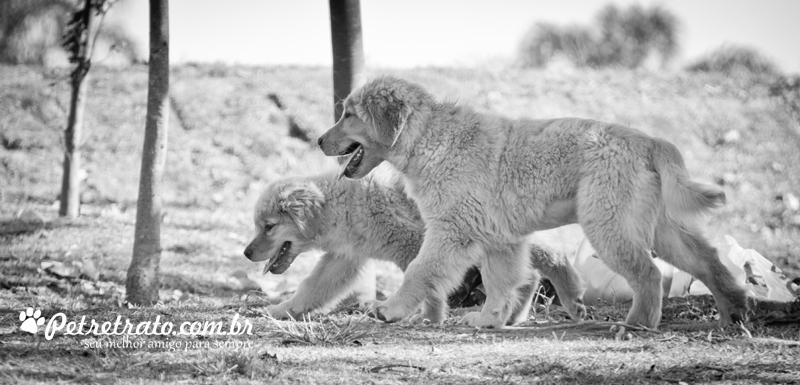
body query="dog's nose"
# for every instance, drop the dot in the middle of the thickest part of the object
(248, 252)
(319, 141)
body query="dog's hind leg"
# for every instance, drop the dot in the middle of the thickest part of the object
(437, 270)
(618, 206)
(687, 250)
(331, 280)
(633, 261)
(525, 293)
(504, 268)
(566, 280)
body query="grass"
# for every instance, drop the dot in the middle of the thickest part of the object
(329, 332)
(228, 139)
(244, 362)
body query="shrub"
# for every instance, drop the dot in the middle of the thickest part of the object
(547, 40)
(787, 90)
(31, 33)
(624, 38)
(30, 29)
(735, 60)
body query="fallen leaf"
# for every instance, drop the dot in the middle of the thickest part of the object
(90, 270)
(31, 216)
(61, 269)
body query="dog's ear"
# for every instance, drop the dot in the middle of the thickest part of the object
(389, 116)
(302, 202)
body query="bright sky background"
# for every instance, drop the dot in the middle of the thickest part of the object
(409, 33)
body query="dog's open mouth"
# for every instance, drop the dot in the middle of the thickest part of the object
(282, 260)
(355, 153)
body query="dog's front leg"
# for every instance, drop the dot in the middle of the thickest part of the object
(566, 280)
(525, 295)
(504, 269)
(331, 280)
(439, 267)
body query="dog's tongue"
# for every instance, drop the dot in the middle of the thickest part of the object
(280, 266)
(270, 263)
(347, 162)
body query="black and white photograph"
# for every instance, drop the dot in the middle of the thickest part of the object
(399, 192)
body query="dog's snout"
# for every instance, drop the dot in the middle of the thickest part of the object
(319, 141)
(248, 252)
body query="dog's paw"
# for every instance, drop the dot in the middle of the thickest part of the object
(277, 311)
(736, 316)
(419, 319)
(576, 310)
(363, 307)
(428, 316)
(384, 312)
(479, 320)
(643, 319)
(426, 319)
(620, 333)
(516, 319)
(283, 311)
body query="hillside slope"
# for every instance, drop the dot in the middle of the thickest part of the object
(233, 129)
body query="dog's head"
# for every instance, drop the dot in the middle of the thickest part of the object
(374, 120)
(285, 219)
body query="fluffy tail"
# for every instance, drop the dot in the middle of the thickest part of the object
(682, 195)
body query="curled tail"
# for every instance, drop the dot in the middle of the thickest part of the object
(681, 194)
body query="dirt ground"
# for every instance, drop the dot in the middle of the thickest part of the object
(688, 348)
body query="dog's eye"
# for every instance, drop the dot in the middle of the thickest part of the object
(268, 227)
(347, 114)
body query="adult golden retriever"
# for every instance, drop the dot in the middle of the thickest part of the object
(484, 182)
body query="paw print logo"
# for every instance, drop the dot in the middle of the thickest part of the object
(31, 320)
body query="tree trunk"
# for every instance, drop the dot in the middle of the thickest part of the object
(348, 51)
(70, 182)
(348, 74)
(142, 282)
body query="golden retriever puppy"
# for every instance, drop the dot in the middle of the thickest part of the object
(353, 221)
(483, 182)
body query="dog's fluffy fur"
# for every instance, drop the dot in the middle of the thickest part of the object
(482, 183)
(355, 220)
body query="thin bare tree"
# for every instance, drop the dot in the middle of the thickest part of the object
(81, 33)
(142, 281)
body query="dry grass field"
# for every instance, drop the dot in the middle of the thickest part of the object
(229, 137)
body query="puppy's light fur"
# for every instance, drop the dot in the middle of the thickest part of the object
(353, 221)
(484, 182)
